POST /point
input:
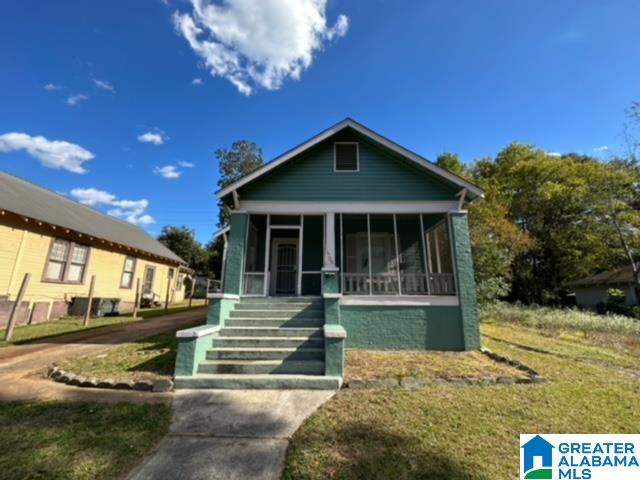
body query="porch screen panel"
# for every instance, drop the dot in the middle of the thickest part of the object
(285, 219)
(384, 263)
(312, 254)
(438, 246)
(254, 260)
(355, 247)
(413, 277)
(338, 249)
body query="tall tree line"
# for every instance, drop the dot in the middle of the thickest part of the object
(547, 220)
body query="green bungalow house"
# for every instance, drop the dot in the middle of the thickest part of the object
(348, 240)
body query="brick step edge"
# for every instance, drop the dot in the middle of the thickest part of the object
(69, 378)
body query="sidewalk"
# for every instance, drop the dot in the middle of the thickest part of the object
(19, 363)
(230, 434)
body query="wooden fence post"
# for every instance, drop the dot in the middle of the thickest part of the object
(166, 298)
(193, 287)
(87, 313)
(206, 293)
(137, 299)
(16, 307)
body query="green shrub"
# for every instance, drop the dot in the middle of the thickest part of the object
(557, 318)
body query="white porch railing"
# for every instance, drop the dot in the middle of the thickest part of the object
(387, 284)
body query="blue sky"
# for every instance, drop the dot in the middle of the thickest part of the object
(463, 76)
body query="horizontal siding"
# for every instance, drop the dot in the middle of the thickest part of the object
(107, 266)
(382, 176)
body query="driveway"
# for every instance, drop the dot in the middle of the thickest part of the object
(230, 434)
(19, 363)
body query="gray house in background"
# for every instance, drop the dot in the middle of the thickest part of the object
(591, 291)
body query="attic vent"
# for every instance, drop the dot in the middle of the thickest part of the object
(346, 157)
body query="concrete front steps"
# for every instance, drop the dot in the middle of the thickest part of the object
(267, 343)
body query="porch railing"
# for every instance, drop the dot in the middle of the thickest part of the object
(387, 284)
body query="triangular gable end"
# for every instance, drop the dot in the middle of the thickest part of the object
(373, 140)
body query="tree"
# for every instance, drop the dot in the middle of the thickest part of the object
(182, 242)
(241, 159)
(615, 202)
(451, 162)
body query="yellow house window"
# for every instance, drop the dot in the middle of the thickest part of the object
(128, 272)
(67, 262)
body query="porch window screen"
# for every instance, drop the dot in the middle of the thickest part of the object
(438, 246)
(401, 254)
(312, 254)
(384, 261)
(355, 239)
(413, 280)
(254, 278)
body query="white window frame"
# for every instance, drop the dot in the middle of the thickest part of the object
(335, 158)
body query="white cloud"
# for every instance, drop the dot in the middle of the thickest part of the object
(196, 81)
(156, 138)
(554, 154)
(258, 43)
(601, 149)
(104, 85)
(133, 211)
(168, 171)
(50, 87)
(76, 98)
(186, 164)
(56, 154)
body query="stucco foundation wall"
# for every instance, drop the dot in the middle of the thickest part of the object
(402, 328)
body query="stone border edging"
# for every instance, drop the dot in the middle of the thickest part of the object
(69, 378)
(417, 382)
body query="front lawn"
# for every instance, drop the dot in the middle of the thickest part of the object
(147, 359)
(472, 432)
(367, 364)
(41, 331)
(72, 440)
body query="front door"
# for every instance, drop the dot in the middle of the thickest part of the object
(284, 266)
(147, 281)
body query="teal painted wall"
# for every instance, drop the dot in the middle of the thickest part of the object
(463, 263)
(235, 253)
(402, 328)
(383, 176)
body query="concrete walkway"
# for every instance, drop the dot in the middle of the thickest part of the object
(19, 364)
(230, 434)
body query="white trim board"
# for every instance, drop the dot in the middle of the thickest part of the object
(319, 208)
(400, 301)
(361, 129)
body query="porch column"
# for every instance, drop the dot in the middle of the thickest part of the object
(463, 264)
(234, 264)
(330, 241)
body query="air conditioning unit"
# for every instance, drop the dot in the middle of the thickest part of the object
(100, 307)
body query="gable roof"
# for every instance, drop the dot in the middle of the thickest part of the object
(622, 276)
(26, 199)
(473, 190)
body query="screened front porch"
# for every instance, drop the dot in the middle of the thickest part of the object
(373, 254)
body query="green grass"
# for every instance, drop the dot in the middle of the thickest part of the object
(69, 440)
(150, 358)
(367, 364)
(472, 432)
(554, 318)
(41, 331)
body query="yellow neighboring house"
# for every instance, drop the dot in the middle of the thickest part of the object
(62, 244)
